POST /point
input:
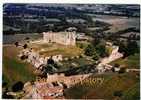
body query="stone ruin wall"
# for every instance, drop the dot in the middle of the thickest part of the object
(65, 38)
(114, 55)
(68, 80)
(37, 60)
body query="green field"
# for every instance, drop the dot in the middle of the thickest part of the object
(132, 61)
(132, 93)
(15, 70)
(75, 62)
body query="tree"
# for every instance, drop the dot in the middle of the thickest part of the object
(122, 70)
(89, 51)
(95, 55)
(51, 67)
(16, 44)
(5, 96)
(123, 49)
(96, 40)
(25, 46)
(50, 61)
(118, 93)
(4, 84)
(18, 86)
(132, 47)
(101, 49)
(27, 38)
(116, 65)
(23, 57)
(48, 69)
(113, 69)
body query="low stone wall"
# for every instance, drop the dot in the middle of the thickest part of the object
(68, 80)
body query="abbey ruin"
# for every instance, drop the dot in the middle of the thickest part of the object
(65, 38)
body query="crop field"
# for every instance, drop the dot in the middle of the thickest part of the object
(107, 87)
(117, 83)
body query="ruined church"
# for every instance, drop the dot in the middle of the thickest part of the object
(65, 38)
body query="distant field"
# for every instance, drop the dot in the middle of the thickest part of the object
(132, 61)
(9, 39)
(13, 69)
(118, 22)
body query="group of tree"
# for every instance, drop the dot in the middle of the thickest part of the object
(50, 68)
(96, 49)
(18, 44)
(91, 51)
(101, 24)
(121, 69)
(16, 87)
(129, 48)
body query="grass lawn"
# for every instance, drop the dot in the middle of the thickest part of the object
(76, 62)
(66, 52)
(13, 69)
(82, 44)
(132, 61)
(109, 49)
(55, 49)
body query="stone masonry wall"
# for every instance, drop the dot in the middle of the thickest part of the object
(65, 38)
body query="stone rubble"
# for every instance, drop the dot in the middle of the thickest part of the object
(46, 89)
(103, 65)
